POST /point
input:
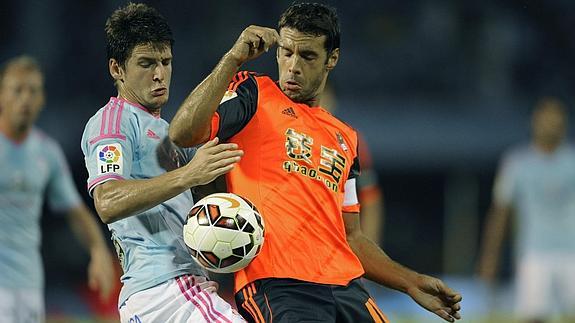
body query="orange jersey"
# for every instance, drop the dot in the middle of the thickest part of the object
(296, 162)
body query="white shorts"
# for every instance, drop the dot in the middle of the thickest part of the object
(21, 305)
(178, 300)
(544, 283)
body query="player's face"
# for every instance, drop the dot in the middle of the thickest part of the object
(21, 97)
(147, 75)
(303, 65)
(549, 124)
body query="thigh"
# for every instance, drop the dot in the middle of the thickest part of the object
(354, 304)
(21, 306)
(565, 282)
(178, 300)
(286, 300)
(533, 284)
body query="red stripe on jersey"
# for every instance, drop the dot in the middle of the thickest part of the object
(111, 114)
(104, 116)
(237, 80)
(119, 118)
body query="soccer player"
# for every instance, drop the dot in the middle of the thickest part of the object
(34, 167)
(536, 184)
(369, 193)
(299, 169)
(136, 187)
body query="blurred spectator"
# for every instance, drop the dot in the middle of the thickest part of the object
(536, 182)
(33, 166)
(369, 193)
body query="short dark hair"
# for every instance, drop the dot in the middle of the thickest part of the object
(314, 19)
(25, 62)
(133, 25)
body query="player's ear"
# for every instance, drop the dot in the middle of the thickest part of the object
(116, 70)
(332, 59)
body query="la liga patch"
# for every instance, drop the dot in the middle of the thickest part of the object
(110, 159)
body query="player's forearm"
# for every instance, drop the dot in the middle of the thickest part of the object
(192, 123)
(86, 228)
(495, 228)
(379, 267)
(116, 200)
(372, 219)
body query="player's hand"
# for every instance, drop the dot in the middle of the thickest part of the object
(212, 160)
(432, 294)
(209, 286)
(253, 41)
(101, 275)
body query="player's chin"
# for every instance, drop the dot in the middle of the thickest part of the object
(295, 96)
(159, 101)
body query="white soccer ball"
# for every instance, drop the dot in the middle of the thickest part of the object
(224, 232)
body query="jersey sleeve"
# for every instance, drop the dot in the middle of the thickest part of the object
(350, 201)
(108, 144)
(505, 182)
(237, 107)
(61, 192)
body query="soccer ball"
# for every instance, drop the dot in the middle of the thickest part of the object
(224, 232)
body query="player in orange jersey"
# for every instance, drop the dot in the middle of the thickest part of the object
(299, 167)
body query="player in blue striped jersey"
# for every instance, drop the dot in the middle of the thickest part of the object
(140, 181)
(34, 167)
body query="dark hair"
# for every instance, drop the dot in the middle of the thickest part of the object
(133, 25)
(314, 19)
(25, 62)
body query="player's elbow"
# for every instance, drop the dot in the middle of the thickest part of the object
(184, 138)
(105, 212)
(178, 137)
(105, 208)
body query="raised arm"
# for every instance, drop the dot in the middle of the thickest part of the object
(431, 293)
(191, 125)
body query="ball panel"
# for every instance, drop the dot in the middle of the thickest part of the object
(227, 223)
(214, 212)
(248, 228)
(194, 211)
(211, 258)
(202, 217)
(231, 260)
(222, 249)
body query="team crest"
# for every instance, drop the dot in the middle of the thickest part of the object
(110, 159)
(341, 141)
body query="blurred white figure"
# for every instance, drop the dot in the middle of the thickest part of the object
(34, 167)
(536, 183)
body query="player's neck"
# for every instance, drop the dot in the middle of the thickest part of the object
(15, 134)
(156, 112)
(545, 146)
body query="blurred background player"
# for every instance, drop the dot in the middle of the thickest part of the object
(369, 193)
(34, 167)
(144, 203)
(536, 183)
(299, 168)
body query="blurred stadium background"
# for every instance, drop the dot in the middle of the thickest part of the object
(439, 89)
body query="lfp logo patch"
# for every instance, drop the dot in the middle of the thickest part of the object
(110, 159)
